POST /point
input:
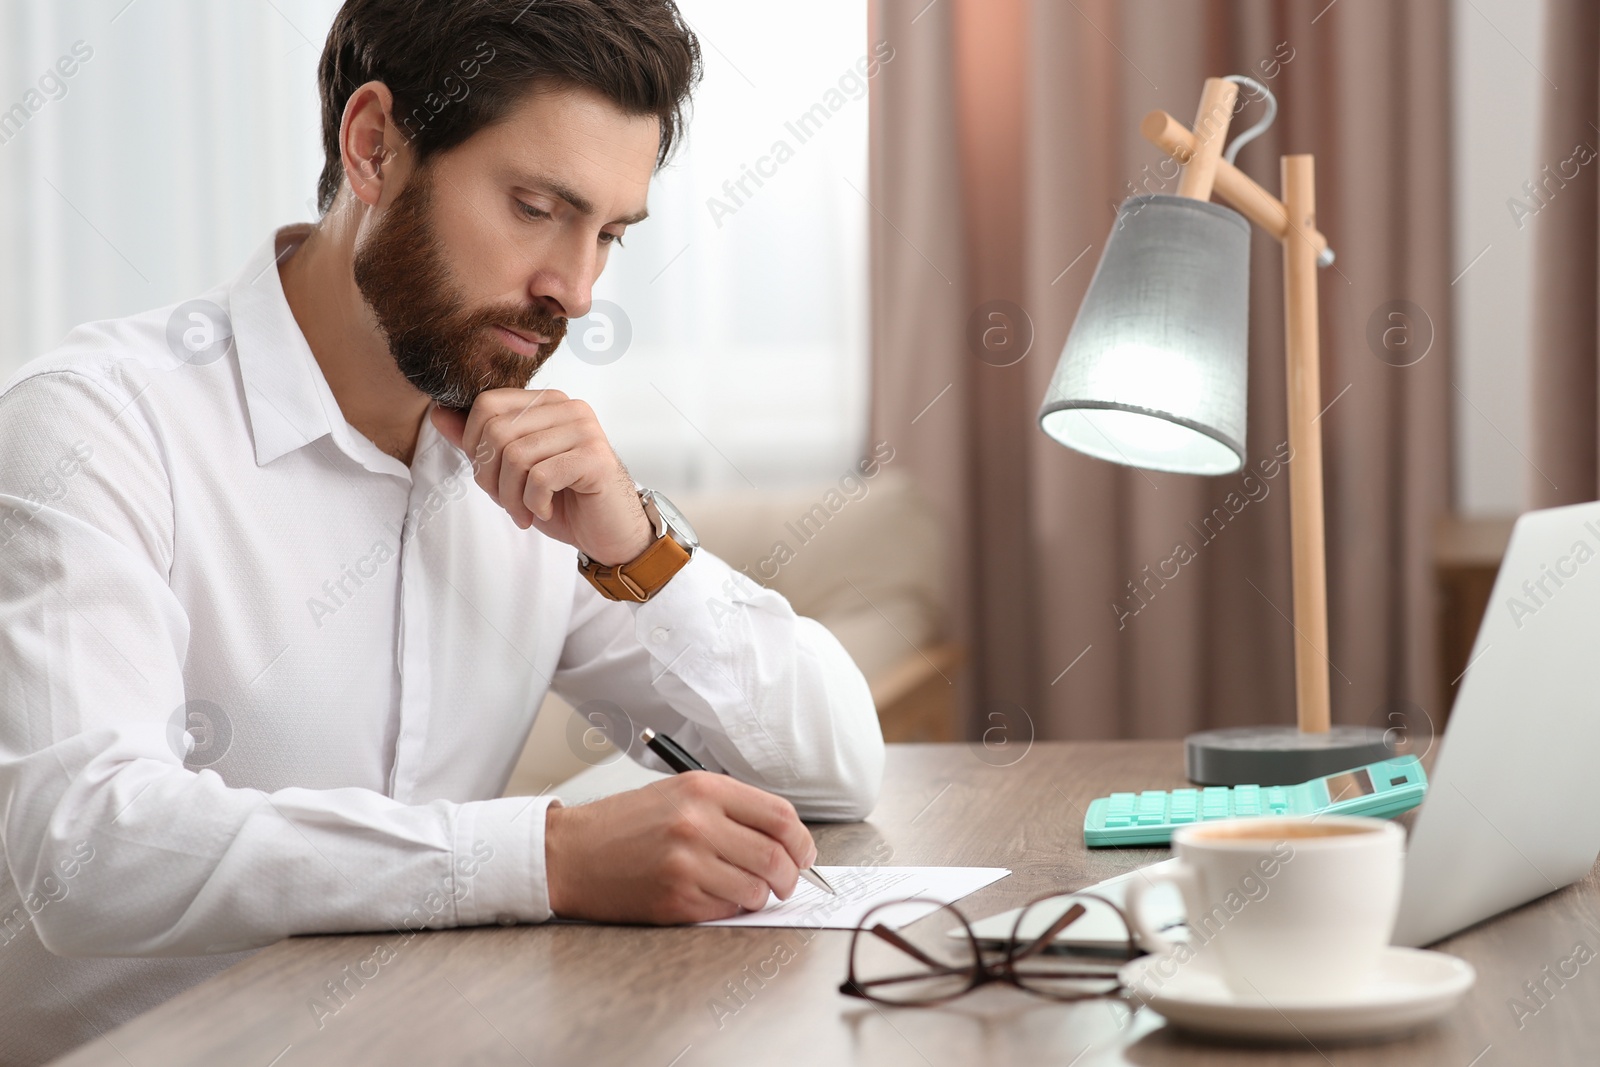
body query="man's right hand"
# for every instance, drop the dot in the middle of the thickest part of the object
(689, 848)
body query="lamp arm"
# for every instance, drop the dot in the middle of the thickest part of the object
(1307, 528)
(1232, 184)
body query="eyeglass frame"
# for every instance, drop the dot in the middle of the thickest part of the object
(982, 971)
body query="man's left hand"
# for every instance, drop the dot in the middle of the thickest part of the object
(543, 457)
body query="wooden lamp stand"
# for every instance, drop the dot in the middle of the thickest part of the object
(1268, 755)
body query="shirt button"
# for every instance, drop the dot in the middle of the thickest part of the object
(660, 634)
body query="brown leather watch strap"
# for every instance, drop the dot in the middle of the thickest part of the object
(642, 577)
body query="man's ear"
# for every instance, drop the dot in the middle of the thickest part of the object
(366, 136)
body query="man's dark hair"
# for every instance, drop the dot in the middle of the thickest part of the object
(456, 66)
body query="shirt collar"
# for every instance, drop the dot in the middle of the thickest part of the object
(289, 402)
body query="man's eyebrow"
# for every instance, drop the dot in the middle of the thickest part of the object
(578, 201)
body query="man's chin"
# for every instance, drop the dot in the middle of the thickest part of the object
(491, 366)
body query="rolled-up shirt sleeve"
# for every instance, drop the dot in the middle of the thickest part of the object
(728, 669)
(166, 860)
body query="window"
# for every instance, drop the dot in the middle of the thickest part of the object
(740, 355)
(745, 293)
(187, 130)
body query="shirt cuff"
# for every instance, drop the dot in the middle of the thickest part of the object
(498, 864)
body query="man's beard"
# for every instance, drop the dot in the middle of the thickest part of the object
(446, 350)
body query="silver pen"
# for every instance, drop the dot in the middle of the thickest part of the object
(677, 757)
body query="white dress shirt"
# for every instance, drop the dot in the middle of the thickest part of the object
(358, 649)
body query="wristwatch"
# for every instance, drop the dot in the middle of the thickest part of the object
(642, 577)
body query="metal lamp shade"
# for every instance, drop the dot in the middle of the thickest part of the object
(1155, 369)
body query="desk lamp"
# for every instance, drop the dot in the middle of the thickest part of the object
(1154, 373)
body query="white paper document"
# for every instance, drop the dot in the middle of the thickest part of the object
(863, 888)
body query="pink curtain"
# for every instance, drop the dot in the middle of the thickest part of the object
(1566, 345)
(1003, 136)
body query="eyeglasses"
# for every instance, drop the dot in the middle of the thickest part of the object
(937, 957)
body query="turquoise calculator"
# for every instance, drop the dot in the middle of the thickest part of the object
(1383, 790)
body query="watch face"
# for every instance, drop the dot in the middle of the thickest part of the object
(675, 520)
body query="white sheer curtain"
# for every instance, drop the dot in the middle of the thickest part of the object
(747, 363)
(191, 130)
(186, 136)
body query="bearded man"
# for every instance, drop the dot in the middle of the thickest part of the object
(287, 568)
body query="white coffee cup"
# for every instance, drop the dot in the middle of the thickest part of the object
(1291, 909)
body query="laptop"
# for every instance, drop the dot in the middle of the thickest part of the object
(1513, 806)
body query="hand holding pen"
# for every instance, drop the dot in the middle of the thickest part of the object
(678, 758)
(687, 848)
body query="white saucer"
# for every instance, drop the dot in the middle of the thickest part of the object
(1413, 986)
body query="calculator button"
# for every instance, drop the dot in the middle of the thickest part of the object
(1180, 816)
(1152, 808)
(1215, 802)
(1113, 821)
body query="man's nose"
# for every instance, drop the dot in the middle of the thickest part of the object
(565, 286)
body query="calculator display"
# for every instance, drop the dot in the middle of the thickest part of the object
(1357, 783)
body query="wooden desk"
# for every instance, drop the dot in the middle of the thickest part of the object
(569, 994)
